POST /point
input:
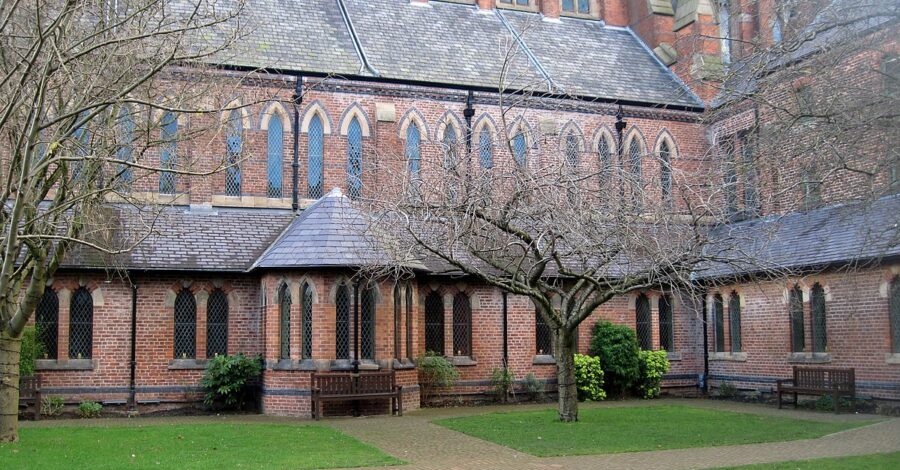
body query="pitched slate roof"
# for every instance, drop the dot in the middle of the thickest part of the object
(853, 232)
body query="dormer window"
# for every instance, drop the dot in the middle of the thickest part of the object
(582, 7)
(519, 3)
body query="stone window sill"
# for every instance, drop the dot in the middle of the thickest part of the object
(65, 364)
(187, 364)
(543, 359)
(728, 356)
(892, 358)
(403, 364)
(809, 358)
(673, 356)
(290, 364)
(345, 365)
(221, 200)
(463, 361)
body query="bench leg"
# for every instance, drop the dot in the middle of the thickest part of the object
(836, 399)
(37, 406)
(779, 399)
(795, 400)
(399, 404)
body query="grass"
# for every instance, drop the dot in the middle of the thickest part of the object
(868, 462)
(194, 446)
(635, 429)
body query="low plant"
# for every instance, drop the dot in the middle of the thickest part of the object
(435, 371)
(617, 348)
(826, 403)
(226, 380)
(589, 378)
(89, 409)
(31, 349)
(502, 382)
(534, 388)
(653, 365)
(726, 390)
(51, 406)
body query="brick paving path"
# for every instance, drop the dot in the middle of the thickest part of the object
(428, 446)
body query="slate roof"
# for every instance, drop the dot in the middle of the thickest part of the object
(852, 232)
(453, 44)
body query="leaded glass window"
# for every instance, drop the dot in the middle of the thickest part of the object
(397, 315)
(573, 151)
(233, 144)
(413, 151)
(125, 151)
(306, 296)
(367, 323)
(46, 322)
(485, 148)
(751, 197)
(354, 159)
(583, 6)
(895, 315)
(315, 164)
(81, 325)
(409, 321)
(634, 152)
(342, 322)
(734, 324)
(719, 320)
(812, 189)
(729, 175)
(284, 321)
(217, 324)
(185, 325)
(462, 325)
(449, 144)
(520, 149)
(434, 323)
(665, 171)
(82, 137)
(275, 151)
(604, 150)
(817, 309)
(168, 153)
(543, 343)
(890, 73)
(798, 337)
(666, 327)
(643, 322)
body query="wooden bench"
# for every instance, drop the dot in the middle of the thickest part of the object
(347, 386)
(835, 382)
(30, 394)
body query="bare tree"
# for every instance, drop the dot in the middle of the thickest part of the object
(88, 93)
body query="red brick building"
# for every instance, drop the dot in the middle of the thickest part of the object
(231, 267)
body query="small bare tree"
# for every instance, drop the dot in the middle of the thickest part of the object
(88, 90)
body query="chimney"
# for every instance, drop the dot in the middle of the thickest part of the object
(487, 4)
(550, 8)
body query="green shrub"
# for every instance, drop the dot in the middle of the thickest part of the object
(89, 409)
(534, 388)
(726, 390)
(826, 403)
(51, 406)
(617, 348)
(589, 378)
(653, 365)
(226, 378)
(502, 381)
(32, 349)
(435, 371)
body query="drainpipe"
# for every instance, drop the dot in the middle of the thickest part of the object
(132, 403)
(704, 380)
(469, 113)
(356, 327)
(295, 164)
(505, 332)
(620, 127)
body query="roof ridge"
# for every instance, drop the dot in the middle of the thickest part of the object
(531, 57)
(284, 232)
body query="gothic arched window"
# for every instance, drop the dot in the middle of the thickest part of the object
(719, 320)
(543, 344)
(666, 326)
(413, 151)
(125, 142)
(233, 144)
(734, 321)
(462, 325)
(354, 159)
(306, 329)
(665, 171)
(434, 323)
(368, 300)
(604, 151)
(485, 148)
(185, 325)
(895, 315)
(168, 153)
(275, 154)
(643, 322)
(315, 164)
(798, 337)
(520, 149)
(409, 321)
(817, 309)
(217, 324)
(81, 325)
(284, 321)
(342, 322)
(573, 150)
(397, 318)
(46, 322)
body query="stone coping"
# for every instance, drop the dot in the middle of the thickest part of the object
(65, 364)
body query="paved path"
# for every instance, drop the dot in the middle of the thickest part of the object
(427, 446)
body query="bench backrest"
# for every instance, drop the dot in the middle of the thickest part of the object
(824, 378)
(29, 386)
(347, 383)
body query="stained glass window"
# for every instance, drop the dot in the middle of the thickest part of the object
(125, 151)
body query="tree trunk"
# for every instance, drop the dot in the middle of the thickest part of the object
(9, 387)
(565, 375)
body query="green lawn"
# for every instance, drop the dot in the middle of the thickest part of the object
(868, 462)
(633, 429)
(189, 446)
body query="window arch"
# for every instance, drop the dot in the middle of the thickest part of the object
(233, 143)
(82, 142)
(275, 154)
(485, 148)
(543, 344)
(734, 321)
(342, 322)
(448, 142)
(635, 151)
(572, 149)
(665, 171)
(315, 164)
(434, 323)
(719, 321)
(368, 299)
(168, 153)
(185, 325)
(354, 159)
(462, 325)
(81, 325)
(397, 318)
(413, 151)
(409, 321)
(817, 310)
(798, 337)
(217, 324)
(895, 314)
(605, 153)
(666, 326)
(46, 321)
(520, 148)
(306, 297)
(284, 321)
(643, 321)
(125, 150)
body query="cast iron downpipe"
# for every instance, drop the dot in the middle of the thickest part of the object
(295, 164)
(704, 381)
(620, 127)
(356, 327)
(132, 402)
(505, 333)
(469, 113)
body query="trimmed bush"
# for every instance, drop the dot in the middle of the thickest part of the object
(653, 365)
(89, 409)
(31, 350)
(617, 348)
(226, 378)
(589, 378)
(435, 371)
(51, 406)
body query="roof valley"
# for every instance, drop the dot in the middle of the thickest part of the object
(356, 43)
(551, 84)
